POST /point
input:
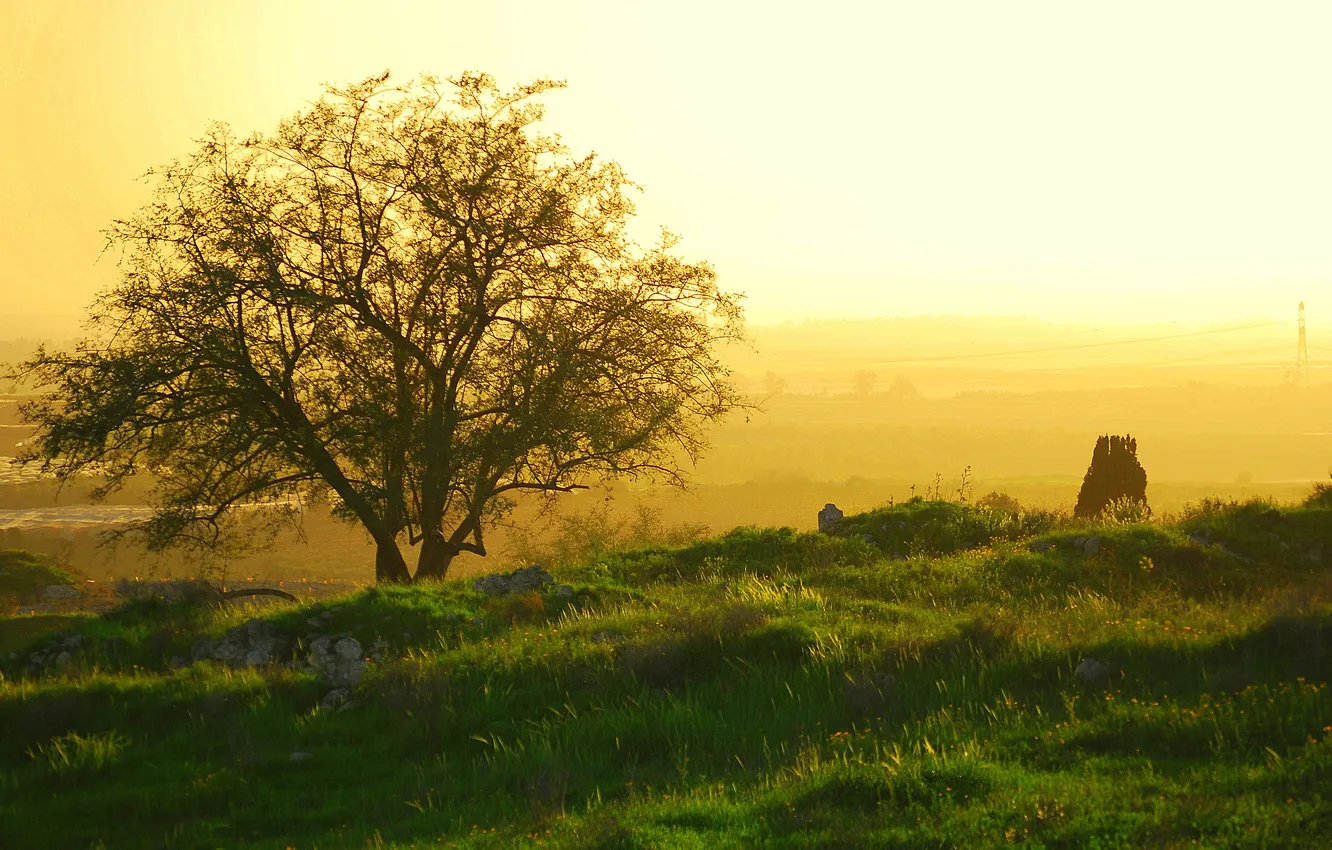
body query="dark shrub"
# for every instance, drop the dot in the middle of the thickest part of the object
(1000, 502)
(784, 640)
(920, 527)
(1114, 475)
(660, 664)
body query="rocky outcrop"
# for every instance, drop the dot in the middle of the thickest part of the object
(1092, 673)
(1083, 544)
(525, 580)
(56, 654)
(251, 644)
(339, 664)
(60, 591)
(1088, 545)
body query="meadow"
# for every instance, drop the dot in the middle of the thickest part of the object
(930, 673)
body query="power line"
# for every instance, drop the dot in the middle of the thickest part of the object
(1073, 347)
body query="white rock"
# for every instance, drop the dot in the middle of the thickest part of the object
(348, 648)
(59, 591)
(1091, 671)
(335, 698)
(829, 517)
(226, 651)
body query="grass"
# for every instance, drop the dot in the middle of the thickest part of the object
(24, 575)
(763, 688)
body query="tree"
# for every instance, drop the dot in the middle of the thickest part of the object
(413, 303)
(864, 382)
(773, 384)
(1115, 475)
(903, 390)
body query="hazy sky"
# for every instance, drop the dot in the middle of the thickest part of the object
(1163, 161)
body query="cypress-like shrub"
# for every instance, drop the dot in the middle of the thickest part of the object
(1114, 474)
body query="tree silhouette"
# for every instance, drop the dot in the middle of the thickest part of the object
(1114, 474)
(405, 301)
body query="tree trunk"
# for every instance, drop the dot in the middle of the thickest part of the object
(436, 555)
(390, 568)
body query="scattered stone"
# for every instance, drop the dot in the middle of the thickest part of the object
(564, 591)
(524, 580)
(60, 591)
(202, 649)
(1091, 546)
(1079, 541)
(348, 648)
(335, 698)
(867, 537)
(63, 660)
(1092, 672)
(829, 517)
(337, 664)
(177, 662)
(297, 757)
(314, 622)
(326, 615)
(1042, 546)
(251, 644)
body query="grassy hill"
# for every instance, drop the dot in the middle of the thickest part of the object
(928, 674)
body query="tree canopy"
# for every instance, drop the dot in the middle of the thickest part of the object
(406, 299)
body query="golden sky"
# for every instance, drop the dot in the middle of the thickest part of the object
(1129, 161)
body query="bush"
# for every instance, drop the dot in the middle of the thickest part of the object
(1000, 502)
(23, 576)
(918, 527)
(1125, 511)
(1114, 475)
(1321, 497)
(579, 538)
